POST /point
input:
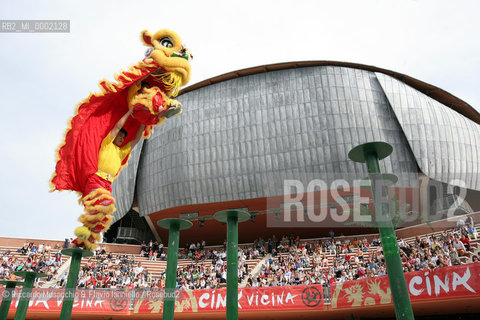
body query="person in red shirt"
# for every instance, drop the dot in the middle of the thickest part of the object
(361, 272)
(466, 242)
(93, 281)
(106, 281)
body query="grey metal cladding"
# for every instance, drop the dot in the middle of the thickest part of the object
(124, 185)
(444, 142)
(241, 138)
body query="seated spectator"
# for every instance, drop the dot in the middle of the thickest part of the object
(459, 246)
(466, 242)
(472, 232)
(454, 257)
(469, 222)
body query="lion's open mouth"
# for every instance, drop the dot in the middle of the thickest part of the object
(183, 53)
(170, 81)
(180, 55)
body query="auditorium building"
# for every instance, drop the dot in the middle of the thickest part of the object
(243, 134)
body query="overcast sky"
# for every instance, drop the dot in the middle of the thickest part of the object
(44, 76)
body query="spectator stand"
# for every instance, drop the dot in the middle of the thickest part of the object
(32, 256)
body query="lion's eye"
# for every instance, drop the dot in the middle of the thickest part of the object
(166, 42)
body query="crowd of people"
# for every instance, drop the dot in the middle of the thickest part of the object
(292, 261)
(295, 262)
(289, 261)
(308, 263)
(107, 270)
(31, 257)
(208, 267)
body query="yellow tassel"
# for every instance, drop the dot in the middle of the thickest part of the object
(83, 220)
(96, 236)
(144, 98)
(89, 246)
(107, 224)
(101, 197)
(102, 209)
(82, 233)
(95, 193)
(171, 80)
(90, 205)
(91, 220)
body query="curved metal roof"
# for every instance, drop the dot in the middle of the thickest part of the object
(436, 93)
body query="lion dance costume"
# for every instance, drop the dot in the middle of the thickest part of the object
(148, 88)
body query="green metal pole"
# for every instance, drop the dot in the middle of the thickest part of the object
(370, 154)
(26, 292)
(7, 297)
(71, 285)
(174, 226)
(396, 277)
(171, 281)
(232, 218)
(232, 268)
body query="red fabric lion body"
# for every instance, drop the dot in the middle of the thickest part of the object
(95, 118)
(147, 88)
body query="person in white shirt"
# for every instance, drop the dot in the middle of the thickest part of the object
(458, 245)
(429, 241)
(288, 276)
(137, 270)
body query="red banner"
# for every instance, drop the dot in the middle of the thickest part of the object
(442, 283)
(102, 301)
(258, 299)
(98, 301)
